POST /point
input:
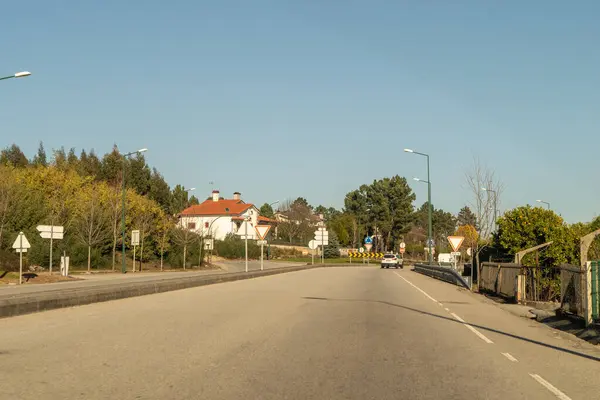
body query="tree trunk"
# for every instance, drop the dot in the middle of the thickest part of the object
(89, 259)
(184, 254)
(161, 259)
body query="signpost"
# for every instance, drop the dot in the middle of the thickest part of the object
(455, 242)
(322, 237)
(135, 241)
(368, 246)
(21, 245)
(262, 231)
(51, 232)
(313, 246)
(402, 248)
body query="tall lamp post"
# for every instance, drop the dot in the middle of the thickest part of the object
(495, 203)
(429, 216)
(429, 224)
(125, 156)
(545, 202)
(22, 74)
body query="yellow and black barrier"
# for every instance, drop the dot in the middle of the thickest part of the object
(356, 254)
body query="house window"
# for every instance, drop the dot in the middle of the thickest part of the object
(191, 225)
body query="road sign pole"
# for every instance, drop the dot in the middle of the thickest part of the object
(261, 257)
(133, 270)
(246, 243)
(21, 258)
(51, 235)
(322, 250)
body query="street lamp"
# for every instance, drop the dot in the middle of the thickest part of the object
(545, 202)
(125, 156)
(429, 217)
(495, 202)
(22, 74)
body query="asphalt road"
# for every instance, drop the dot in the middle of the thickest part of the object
(330, 333)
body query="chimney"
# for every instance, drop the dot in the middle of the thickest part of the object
(237, 196)
(215, 195)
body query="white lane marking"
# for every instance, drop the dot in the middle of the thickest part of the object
(447, 309)
(457, 317)
(549, 386)
(418, 288)
(475, 331)
(510, 357)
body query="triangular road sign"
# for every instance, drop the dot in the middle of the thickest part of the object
(24, 244)
(455, 242)
(262, 231)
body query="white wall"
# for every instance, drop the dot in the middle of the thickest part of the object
(223, 225)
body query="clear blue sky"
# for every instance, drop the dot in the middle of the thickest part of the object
(279, 99)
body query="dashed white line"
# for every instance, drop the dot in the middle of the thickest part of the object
(418, 288)
(549, 386)
(475, 331)
(510, 357)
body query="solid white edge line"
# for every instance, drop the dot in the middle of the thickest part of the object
(418, 288)
(510, 357)
(475, 331)
(549, 386)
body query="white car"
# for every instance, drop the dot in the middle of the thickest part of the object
(391, 260)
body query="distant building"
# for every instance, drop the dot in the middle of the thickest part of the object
(219, 217)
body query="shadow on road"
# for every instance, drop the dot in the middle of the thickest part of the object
(576, 353)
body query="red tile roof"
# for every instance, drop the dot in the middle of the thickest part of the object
(221, 207)
(266, 220)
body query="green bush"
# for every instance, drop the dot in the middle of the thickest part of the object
(9, 261)
(234, 247)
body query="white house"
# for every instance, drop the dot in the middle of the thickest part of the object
(218, 217)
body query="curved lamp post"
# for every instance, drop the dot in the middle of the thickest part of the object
(21, 74)
(429, 216)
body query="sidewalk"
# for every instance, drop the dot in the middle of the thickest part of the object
(98, 280)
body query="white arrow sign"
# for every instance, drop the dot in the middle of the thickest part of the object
(50, 228)
(51, 235)
(21, 242)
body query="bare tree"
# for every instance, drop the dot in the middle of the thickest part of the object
(184, 236)
(91, 221)
(486, 189)
(164, 231)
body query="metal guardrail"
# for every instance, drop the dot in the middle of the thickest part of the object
(446, 274)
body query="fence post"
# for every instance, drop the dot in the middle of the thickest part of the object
(588, 300)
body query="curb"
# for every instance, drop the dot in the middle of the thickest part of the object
(32, 303)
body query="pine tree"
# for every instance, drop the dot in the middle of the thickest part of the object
(332, 250)
(40, 158)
